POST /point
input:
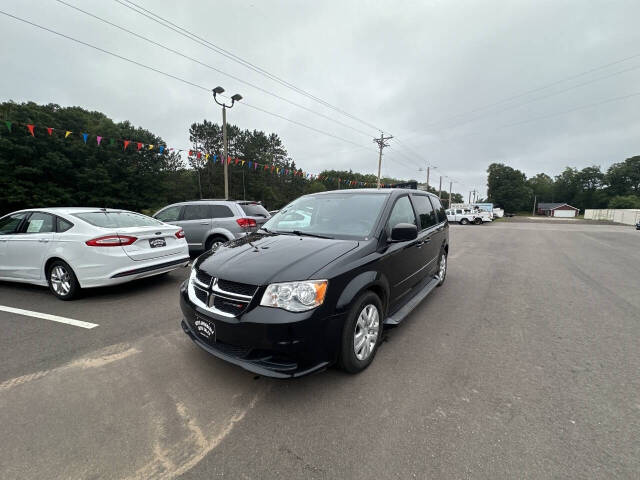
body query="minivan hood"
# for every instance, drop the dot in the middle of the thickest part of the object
(260, 259)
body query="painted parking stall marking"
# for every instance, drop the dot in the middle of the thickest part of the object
(46, 316)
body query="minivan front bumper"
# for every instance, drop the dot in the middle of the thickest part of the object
(268, 341)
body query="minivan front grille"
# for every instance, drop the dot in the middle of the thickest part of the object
(235, 287)
(222, 296)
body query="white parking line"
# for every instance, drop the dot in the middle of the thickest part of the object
(46, 316)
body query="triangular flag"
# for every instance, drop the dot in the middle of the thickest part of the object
(139, 145)
(228, 160)
(243, 163)
(67, 133)
(161, 149)
(150, 147)
(190, 153)
(85, 136)
(250, 164)
(266, 167)
(98, 139)
(8, 124)
(255, 166)
(49, 130)
(236, 162)
(215, 158)
(126, 144)
(112, 141)
(199, 155)
(31, 127)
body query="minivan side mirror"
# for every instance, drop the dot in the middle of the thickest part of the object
(404, 232)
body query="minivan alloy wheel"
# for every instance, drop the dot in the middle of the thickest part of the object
(442, 268)
(60, 280)
(366, 332)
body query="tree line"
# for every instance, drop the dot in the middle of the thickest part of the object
(55, 169)
(617, 187)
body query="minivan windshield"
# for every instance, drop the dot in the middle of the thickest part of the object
(117, 219)
(339, 215)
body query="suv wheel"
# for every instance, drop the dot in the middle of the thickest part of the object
(477, 221)
(362, 333)
(464, 221)
(214, 241)
(62, 281)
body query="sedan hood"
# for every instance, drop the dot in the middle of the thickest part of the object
(260, 259)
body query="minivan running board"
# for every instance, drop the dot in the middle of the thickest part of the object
(401, 314)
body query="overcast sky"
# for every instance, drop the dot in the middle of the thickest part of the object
(422, 71)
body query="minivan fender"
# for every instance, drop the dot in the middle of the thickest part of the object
(364, 281)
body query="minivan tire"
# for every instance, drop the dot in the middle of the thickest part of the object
(348, 361)
(62, 282)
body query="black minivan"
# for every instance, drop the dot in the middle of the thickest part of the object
(317, 283)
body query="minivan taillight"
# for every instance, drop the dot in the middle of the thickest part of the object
(246, 222)
(111, 241)
(180, 233)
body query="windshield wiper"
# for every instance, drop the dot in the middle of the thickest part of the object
(306, 234)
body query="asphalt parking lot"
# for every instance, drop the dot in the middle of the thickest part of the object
(525, 364)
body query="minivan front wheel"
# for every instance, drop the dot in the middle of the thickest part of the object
(362, 333)
(214, 242)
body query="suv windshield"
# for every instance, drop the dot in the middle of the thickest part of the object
(117, 219)
(254, 210)
(332, 215)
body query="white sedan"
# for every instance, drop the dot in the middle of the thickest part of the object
(73, 248)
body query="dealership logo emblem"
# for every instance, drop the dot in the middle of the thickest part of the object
(206, 329)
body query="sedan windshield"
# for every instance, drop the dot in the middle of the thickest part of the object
(331, 215)
(117, 219)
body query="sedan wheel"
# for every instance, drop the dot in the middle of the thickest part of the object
(366, 332)
(62, 281)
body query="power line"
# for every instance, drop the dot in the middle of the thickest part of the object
(195, 60)
(211, 46)
(174, 77)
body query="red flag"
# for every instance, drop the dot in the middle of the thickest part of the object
(139, 145)
(272, 167)
(199, 155)
(30, 127)
(266, 167)
(236, 162)
(126, 144)
(228, 160)
(49, 130)
(190, 152)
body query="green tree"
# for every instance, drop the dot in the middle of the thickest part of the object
(507, 188)
(625, 201)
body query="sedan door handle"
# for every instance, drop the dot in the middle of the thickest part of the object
(204, 223)
(43, 240)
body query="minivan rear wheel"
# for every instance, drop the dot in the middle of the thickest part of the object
(362, 333)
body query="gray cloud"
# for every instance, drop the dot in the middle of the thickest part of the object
(407, 67)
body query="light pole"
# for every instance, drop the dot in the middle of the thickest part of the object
(235, 98)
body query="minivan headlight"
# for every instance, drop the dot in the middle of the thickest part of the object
(295, 296)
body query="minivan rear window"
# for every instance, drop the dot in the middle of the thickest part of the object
(254, 210)
(117, 219)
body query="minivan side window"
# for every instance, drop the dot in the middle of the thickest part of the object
(169, 214)
(402, 212)
(437, 206)
(220, 211)
(425, 211)
(196, 212)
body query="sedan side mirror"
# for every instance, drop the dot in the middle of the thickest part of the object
(404, 232)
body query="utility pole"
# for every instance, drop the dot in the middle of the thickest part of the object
(450, 189)
(428, 178)
(469, 198)
(235, 98)
(440, 188)
(381, 144)
(533, 212)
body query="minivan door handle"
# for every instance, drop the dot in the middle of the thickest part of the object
(204, 223)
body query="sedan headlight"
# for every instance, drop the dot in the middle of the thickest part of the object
(295, 296)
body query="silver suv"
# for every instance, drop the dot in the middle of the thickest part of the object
(207, 223)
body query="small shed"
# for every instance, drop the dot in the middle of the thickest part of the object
(562, 210)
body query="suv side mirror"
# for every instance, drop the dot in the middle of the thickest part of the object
(404, 232)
